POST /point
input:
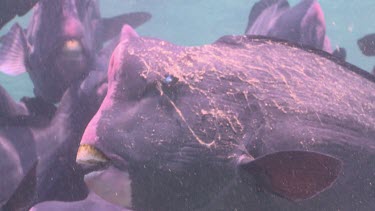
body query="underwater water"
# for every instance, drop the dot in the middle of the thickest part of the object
(190, 128)
(202, 22)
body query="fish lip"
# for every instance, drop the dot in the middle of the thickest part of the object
(58, 49)
(81, 51)
(92, 159)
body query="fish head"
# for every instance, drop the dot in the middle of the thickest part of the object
(63, 42)
(145, 124)
(61, 37)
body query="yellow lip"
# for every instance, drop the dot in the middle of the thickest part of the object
(90, 156)
(72, 45)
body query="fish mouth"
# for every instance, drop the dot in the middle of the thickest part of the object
(91, 159)
(71, 58)
(72, 49)
(72, 45)
(103, 178)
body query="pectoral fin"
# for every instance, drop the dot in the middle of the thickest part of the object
(13, 50)
(295, 175)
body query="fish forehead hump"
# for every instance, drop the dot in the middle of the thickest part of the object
(304, 78)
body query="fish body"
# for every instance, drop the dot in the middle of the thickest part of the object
(246, 123)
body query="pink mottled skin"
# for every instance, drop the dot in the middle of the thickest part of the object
(127, 33)
(72, 28)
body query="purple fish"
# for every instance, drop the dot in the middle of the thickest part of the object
(303, 23)
(61, 44)
(10, 9)
(52, 144)
(232, 126)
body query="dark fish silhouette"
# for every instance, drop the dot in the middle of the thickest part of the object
(231, 126)
(11, 8)
(367, 46)
(52, 144)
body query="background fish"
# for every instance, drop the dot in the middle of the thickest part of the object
(61, 44)
(367, 46)
(38, 157)
(302, 24)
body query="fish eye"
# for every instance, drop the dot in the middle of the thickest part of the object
(166, 85)
(169, 80)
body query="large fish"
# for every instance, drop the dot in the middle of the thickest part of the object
(52, 144)
(246, 123)
(61, 44)
(10, 9)
(302, 24)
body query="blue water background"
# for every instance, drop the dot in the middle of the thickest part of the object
(198, 22)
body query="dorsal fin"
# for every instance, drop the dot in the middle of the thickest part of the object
(303, 24)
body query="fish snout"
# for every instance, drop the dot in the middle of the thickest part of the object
(91, 158)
